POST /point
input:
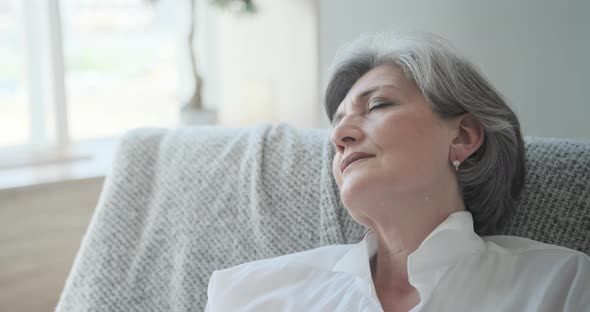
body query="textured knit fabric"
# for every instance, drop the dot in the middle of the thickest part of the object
(181, 203)
(555, 206)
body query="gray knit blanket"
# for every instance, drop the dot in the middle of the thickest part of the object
(181, 203)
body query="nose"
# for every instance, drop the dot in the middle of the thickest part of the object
(345, 134)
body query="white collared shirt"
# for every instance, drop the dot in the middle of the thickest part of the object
(453, 269)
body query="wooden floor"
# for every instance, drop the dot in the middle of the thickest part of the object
(40, 232)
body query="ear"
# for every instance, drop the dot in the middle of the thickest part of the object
(468, 137)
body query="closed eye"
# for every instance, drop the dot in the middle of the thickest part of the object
(378, 105)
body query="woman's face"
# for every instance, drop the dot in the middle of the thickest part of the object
(401, 145)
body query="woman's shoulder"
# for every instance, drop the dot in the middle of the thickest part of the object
(535, 256)
(321, 258)
(271, 282)
(525, 246)
(525, 275)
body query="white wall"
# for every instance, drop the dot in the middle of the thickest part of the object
(536, 52)
(267, 64)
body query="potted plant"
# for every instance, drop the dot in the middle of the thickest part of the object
(192, 111)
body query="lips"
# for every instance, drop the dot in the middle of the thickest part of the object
(352, 158)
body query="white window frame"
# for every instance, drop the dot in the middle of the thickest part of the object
(46, 74)
(49, 139)
(45, 82)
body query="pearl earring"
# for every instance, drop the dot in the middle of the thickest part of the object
(456, 163)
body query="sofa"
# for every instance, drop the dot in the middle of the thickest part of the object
(180, 203)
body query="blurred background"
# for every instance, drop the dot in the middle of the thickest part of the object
(76, 74)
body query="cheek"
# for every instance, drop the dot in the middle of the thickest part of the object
(413, 141)
(401, 132)
(336, 170)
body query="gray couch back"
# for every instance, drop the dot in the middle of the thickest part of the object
(179, 204)
(555, 206)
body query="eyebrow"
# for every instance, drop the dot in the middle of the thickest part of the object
(339, 115)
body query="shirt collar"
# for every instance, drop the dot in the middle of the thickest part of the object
(453, 240)
(450, 241)
(357, 260)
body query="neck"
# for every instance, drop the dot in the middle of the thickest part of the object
(399, 231)
(407, 220)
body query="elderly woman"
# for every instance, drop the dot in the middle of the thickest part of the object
(430, 158)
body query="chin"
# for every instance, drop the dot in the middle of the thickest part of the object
(359, 216)
(354, 193)
(364, 194)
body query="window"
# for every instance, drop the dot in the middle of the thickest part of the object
(78, 70)
(14, 114)
(120, 66)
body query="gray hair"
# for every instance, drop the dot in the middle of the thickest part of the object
(492, 178)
